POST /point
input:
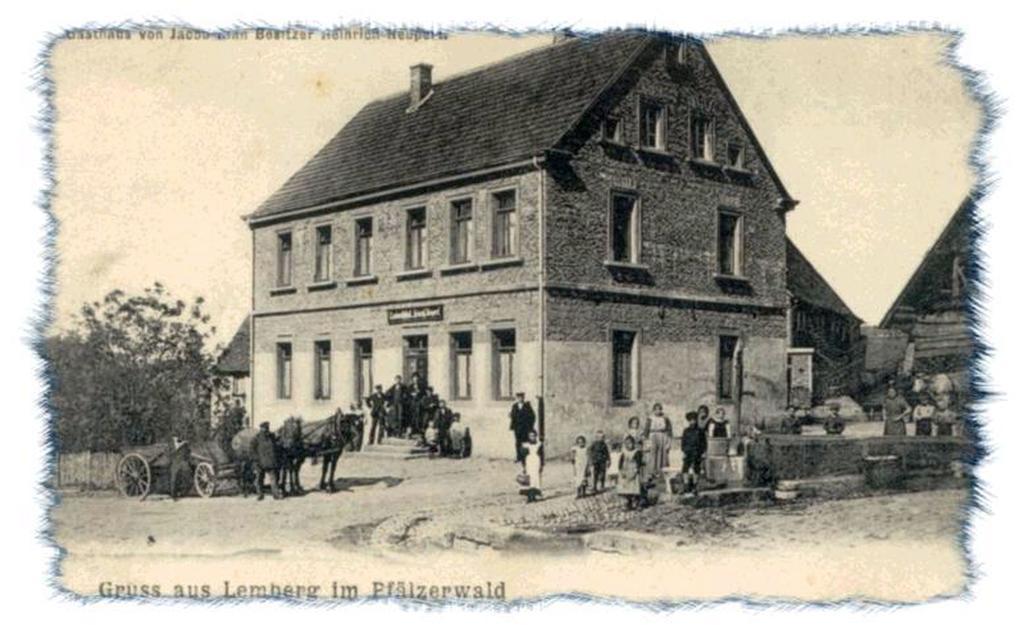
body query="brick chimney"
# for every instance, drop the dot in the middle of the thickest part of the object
(419, 83)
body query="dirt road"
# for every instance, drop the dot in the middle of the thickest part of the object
(439, 520)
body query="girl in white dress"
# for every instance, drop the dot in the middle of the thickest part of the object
(533, 464)
(580, 462)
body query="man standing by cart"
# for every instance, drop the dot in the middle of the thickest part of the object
(180, 455)
(264, 452)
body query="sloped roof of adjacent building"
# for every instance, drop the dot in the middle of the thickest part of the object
(933, 276)
(494, 116)
(235, 357)
(806, 284)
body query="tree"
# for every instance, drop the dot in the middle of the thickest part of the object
(134, 371)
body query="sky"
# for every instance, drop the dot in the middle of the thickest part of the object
(163, 146)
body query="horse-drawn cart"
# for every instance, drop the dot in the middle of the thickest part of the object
(141, 470)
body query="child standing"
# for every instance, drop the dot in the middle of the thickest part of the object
(579, 466)
(533, 465)
(614, 460)
(630, 469)
(599, 457)
(694, 444)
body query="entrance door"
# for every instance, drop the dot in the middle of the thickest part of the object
(416, 358)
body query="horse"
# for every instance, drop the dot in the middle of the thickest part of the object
(292, 453)
(327, 439)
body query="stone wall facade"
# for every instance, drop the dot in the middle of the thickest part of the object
(671, 295)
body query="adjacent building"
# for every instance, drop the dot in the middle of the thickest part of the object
(931, 310)
(593, 223)
(826, 355)
(234, 369)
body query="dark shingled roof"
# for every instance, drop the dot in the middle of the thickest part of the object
(807, 285)
(235, 357)
(496, 115)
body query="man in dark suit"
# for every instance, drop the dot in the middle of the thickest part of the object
(444, 427)
(180, 457)
(397, 398)
(264, 451)
(377, 406)
(522, 420)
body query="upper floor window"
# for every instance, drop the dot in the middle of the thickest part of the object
(702, 138)
(462, 231)
(506, 230)
(653, 125)
(284, 259)
(625, 229)
(730, 244)
(737, 155)
(364, 246)
(611, 130)
(322, 270)
(415, 238)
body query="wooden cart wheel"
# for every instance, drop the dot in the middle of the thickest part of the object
(205, 479)
(133, 476)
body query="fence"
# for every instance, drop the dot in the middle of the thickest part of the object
(87, 470)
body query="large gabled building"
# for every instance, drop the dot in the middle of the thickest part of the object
(593, 223)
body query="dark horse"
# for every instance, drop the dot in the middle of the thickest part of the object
(325, 439)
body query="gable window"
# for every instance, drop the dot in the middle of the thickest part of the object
(726, 366)
(624, 365)
(284, 370)
(736, 155)
(611, 130)
(505, 241)
(625, 228)
(322, 269)
(284, 259)
(462, 365)
(730, 244)
(364, 246)
(702, 138)
(462, 231)
(415, 239)
(503, 365)
(653, 122)
(322, 370)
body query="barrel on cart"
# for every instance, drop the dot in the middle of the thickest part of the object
(144, 470)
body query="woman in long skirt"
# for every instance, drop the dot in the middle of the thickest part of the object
(533, 465)
(658, 431)
(895, 413)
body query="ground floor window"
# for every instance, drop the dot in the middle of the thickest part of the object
(504, 351)
(726, 366)
(624, 364)
(322, 370)
(284, 370)
(363, 368)
(462, 365)
(415, 364)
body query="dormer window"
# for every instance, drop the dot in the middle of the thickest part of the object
(653, 125)
(611, 130)
(702, 138)
(737, 155)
